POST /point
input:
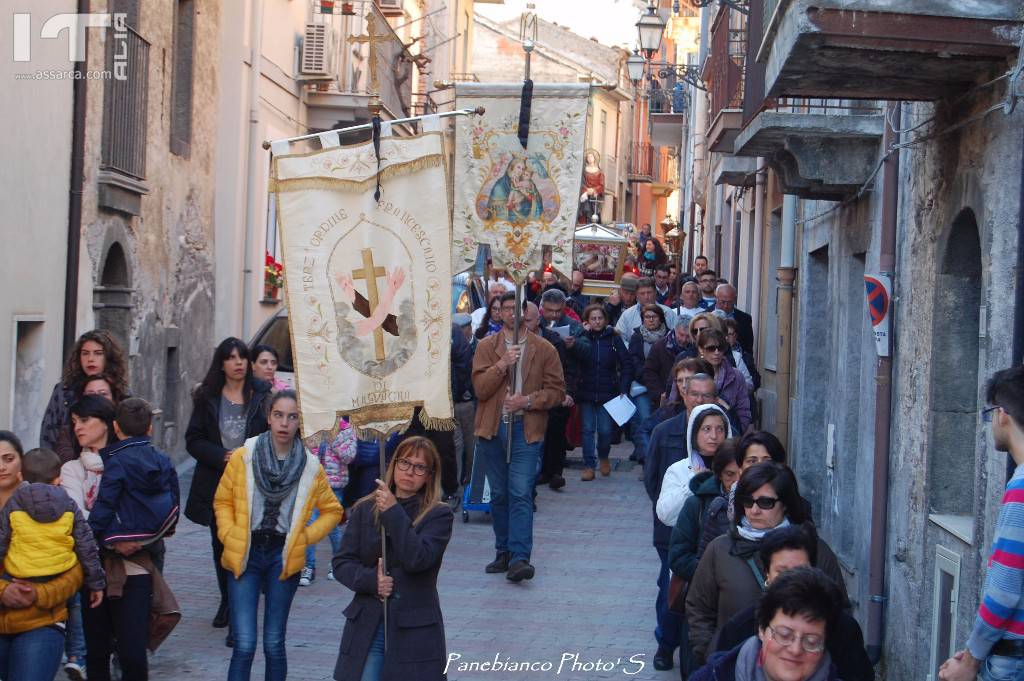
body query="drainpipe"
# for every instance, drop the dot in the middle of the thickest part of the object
(78, 92)
(758, 222)
(883, 405)
(786, 275)
(1018, 326)
(254, 161)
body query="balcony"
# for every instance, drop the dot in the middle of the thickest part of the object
(667, 113)
(884, 49)
(342, 98)
(820, 148)
(724, 74)
(641, 162)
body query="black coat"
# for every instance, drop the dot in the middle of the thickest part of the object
(462, 366)
(202, 440)
(845, 643)
(744, 330)
(416, 646)
(607, 370)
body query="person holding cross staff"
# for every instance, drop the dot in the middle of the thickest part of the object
(513, 417)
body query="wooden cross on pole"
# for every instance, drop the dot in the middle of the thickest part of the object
(370, 274)
(372, 39)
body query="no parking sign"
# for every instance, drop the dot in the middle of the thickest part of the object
(879, 298)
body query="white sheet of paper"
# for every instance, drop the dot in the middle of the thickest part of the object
(563, 331)
(620, 408)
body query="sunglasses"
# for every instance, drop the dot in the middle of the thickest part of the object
(712, 348)
(764, 503)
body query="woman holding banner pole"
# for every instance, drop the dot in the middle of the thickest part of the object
(407, 506)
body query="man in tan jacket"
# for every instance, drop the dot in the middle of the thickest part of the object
(538, 386)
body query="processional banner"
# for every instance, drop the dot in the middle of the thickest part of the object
(517, 200)
(368, 282)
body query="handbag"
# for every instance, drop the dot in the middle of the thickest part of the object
(677, 590)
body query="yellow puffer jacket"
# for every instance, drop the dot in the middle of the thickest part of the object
(50, 606)
(231, 507)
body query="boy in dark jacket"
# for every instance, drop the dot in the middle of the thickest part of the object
(43, 533)
(138, 496)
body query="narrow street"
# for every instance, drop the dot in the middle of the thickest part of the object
(592, 597)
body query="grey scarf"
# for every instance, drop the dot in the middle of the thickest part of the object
(749, 669)
(652, 337)
(275, 479)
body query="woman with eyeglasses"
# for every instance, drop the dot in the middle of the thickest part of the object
(732, 388)
(264, 501)
(407, 505)
(795, 619)
(731, 575)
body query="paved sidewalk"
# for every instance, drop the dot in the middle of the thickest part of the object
(592, 599)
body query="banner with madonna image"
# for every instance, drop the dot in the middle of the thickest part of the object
(518, 201)
(368, 282)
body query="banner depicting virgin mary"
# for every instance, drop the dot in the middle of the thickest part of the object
(368, 282)
(518, 201)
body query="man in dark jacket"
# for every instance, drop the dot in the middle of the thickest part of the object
(463, 398)
(786, 549)
(621, 300)
(576, 347)
(725, 305)
(664, 354)
(576, 300)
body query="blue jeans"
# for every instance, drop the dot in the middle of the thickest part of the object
(595, 416)
(75, 644)
(1001, 668)
(640, 435)
(261, 574)
(375, 657)
(511, 489)
(669, 624)
(334, 535)
(31, 656)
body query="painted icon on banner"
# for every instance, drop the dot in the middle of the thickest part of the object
(878, 288)
(372, 292)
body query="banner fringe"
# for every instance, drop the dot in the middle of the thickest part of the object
(441, 423)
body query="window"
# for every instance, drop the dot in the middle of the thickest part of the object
(946, 594)
(181, 87)
(112, 299)
(125, 103)
(604, 133)
(27, 396)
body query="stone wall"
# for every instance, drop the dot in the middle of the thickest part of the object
(168, 244)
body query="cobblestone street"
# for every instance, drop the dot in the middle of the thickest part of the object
(592, 597)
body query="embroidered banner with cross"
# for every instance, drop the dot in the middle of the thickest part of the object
(368, 283)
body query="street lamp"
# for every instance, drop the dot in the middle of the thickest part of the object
(650, 28)
(635, 67)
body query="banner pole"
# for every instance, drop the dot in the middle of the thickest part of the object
(515, 369)
(478, 111)
(382, 443)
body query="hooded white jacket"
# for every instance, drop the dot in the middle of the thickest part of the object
(675, 487)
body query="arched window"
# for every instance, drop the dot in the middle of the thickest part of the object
(112, 299)
(954, 381)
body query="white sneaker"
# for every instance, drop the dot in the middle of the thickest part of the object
(307, 576)
(330, 575)
(75, 671)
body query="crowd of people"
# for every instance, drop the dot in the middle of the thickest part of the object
(747, 589)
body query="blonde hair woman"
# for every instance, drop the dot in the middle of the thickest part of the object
(407, 505)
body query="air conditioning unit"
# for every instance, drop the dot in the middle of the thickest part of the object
(390, 7)
(318, 51)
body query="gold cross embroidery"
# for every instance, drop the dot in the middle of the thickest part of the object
(370, 274)
(372, 39)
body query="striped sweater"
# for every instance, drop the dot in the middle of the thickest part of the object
(1001, 613)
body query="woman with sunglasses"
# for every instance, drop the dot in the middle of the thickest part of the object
(795, 619)
(407, 505)
(263, 503)
(732, 388)
(730, 575)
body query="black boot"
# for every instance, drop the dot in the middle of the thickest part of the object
(220, 620)
(500, 563)
(663, 658)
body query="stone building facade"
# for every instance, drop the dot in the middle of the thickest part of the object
(147, 260)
